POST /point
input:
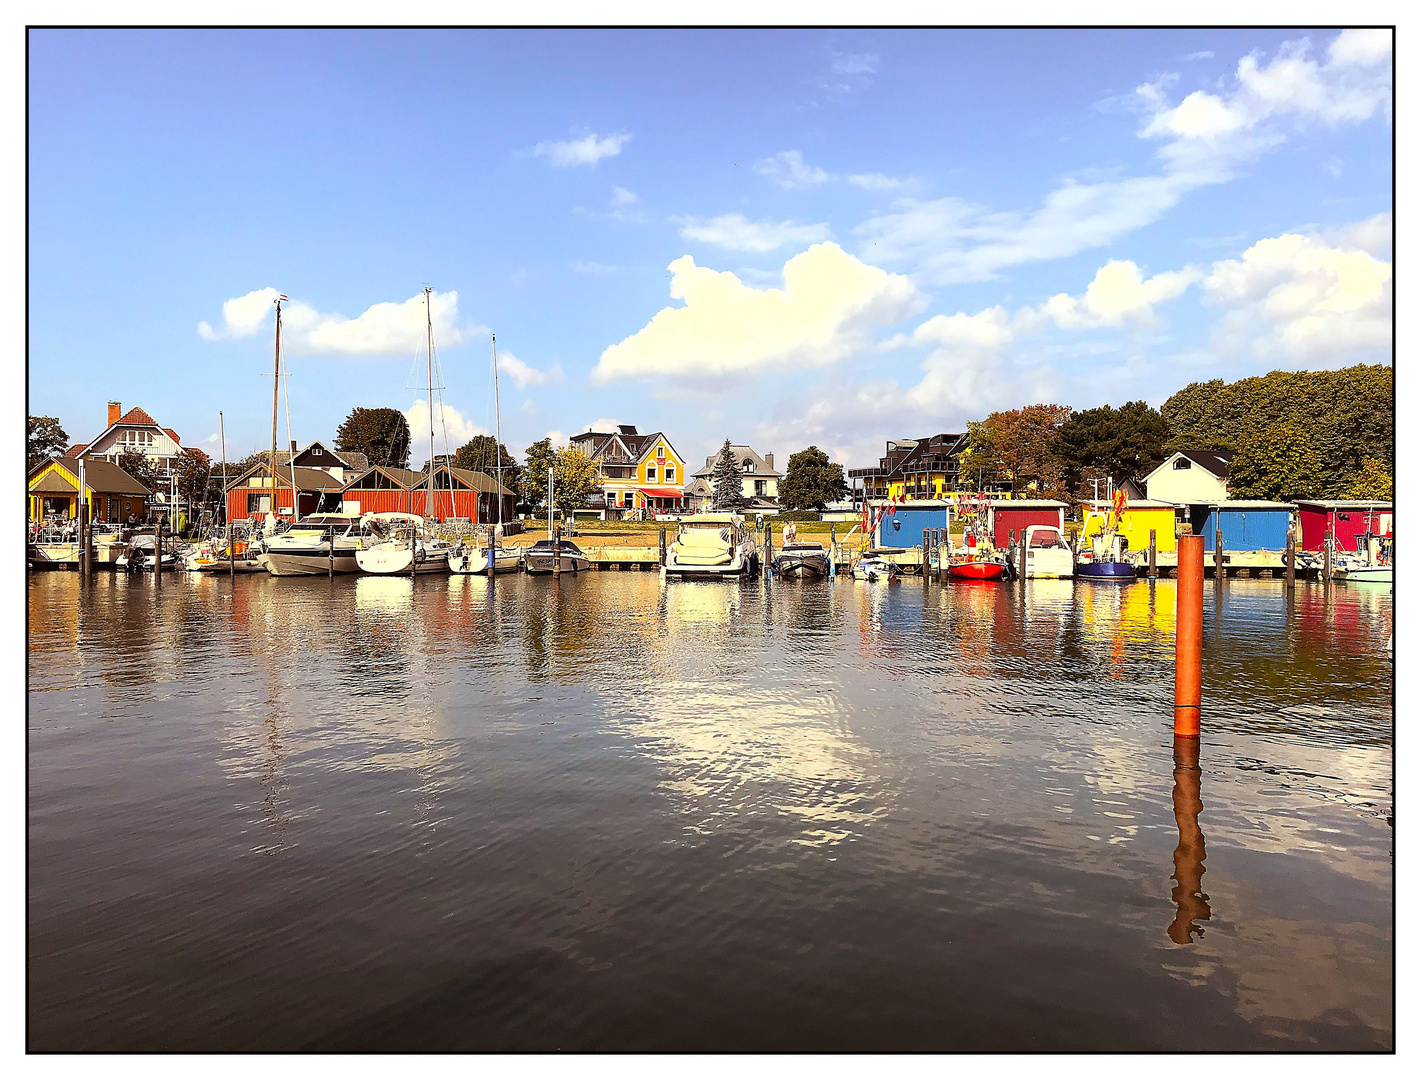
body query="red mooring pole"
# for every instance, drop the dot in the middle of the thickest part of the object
(1189, 637)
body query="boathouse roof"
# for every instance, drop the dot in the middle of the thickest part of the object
(100, 476)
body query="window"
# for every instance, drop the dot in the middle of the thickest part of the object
(670, 474)
(1182, 463)
(257, 504)
(651, 474)
(316, 451)
(759, 487)
(747, 465)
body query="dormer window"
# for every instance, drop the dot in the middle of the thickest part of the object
(1182, 463)
(316, 451)
(748, 465)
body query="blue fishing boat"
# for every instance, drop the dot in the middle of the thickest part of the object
(1102, 557)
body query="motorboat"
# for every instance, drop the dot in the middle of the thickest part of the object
(1047, 553)
(1371, 563)
(802, 559)
(711, 546)
(53, 547)
(874, 568)
(540, 558)
(138, 554)
(319, 544)
(1102, 556)
(403, 545)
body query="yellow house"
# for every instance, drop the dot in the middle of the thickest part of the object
(1136, 521)
(639, 472)
(112, 494)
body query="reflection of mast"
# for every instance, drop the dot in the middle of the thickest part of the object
(1188, 895)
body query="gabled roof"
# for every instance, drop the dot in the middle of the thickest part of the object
(404, 478)
(136, 415)
(99, 476)
(473, 480)
(75, 450)
(1216, 461)
(306, 479)
(740, 452)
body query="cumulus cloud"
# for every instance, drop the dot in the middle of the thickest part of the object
(789, 170)
(603, 424)
(1119, 292)
(587, 150)
(447, 420)
(381, 330)
(622, 197)
(1301, 299)
(1204, 139)
(736, 233)
(828, 303)
(524, 375)
(557, 438)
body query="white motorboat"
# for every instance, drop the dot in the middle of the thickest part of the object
(873, 568)
(1047, 553)
(711, 546)
(319, 544)
(226, 551)
(138, 554)
(403, 545)
(802, 559)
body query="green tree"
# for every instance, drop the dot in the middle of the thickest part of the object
(1120, 443)
(193, 470)
(1372, 481)
(812, 480)
(483, 455)
(575, 478)
(1277, 462)
(1019, 446)
(540, 458)
(726, 480)
(139, 466)
(44, 439)
(382, 435)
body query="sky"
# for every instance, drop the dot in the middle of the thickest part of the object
(783, 238)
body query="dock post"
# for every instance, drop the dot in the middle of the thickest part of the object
(83, 537)
(1021, 555)
(769, 548)
(1327, 563)
(833, 546)
(1289, 559)
(663, 545)
(232, 551)
(1218, 554)
(158, 553)
(557, 550)
(1154, 566)
(331, 555)
(925, 556)
(293, 515)
(1189, 637)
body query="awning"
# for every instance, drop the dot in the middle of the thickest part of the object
(661, 492)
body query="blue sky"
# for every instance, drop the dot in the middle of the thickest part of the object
(781, 237)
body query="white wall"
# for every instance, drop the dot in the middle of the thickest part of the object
(1194, 484)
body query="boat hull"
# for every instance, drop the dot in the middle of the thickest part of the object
(1379, 574)
(53, 556)
(1049, 563)
(397, 560)
(977, 571)
(543, 564)
(476, 562)
(1106, 571)
(309, 563)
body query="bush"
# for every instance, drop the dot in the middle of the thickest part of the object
(795, 515)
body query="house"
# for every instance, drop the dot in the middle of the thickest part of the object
(1191, 476)
(913, 469)
(639, 472)
(250, 494)
(1008, 516)
(759, 482)
(318, 455)
(1343, 519)
(1137, 519)
(1247, 524)
(113, 496)
(134, 430)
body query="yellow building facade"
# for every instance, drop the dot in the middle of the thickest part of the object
(1136, 521)
(111, 493)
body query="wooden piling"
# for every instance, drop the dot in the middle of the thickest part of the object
(331, 555)
(1218, 554)
(1154, 566)
(663, 545)
(1327, 563)
(557, 550)
(1021, 557)
(431, 466)
(158, 553)
(926, 534)
(1189, 637)
(1289, 561)
(83, 537)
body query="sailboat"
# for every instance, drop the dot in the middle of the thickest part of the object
(410, 547)
(493, 557)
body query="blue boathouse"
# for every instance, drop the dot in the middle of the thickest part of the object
(1247, 525)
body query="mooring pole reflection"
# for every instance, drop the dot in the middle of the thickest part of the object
(1190, 899)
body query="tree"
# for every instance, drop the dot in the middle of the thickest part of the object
(540, 458)
(481, 454)
(811, 480)
(726, 480)
(382, 435)
(1279, 462)
(1372, 481)
(1120, 443)
(44, 439)
(1020, 446)
(193, 470)
(139, 466)
(575, 478)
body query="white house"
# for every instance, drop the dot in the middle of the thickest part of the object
(134, 430)
(1191, 476)
(759, 481)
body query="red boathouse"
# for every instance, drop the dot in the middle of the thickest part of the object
(1005, 516)
(1344, 519)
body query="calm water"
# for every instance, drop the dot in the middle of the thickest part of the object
(612, 813)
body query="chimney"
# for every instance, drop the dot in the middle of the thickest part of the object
(115, 411)
(769, 461)
(293, 447)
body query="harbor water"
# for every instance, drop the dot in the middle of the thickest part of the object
(608, 812)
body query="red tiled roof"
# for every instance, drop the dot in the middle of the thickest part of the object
(174, 435)
(137, 416)
(75, 450)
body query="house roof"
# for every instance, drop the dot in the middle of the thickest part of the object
(1216, 461)
(930, 454)
(306, 479)
(477, 481)
(1348, 504)
(75, 450)
(1027, 504)
(638, 446)
(136, 415)
(99, 476)
(403, 477)
(740, 452)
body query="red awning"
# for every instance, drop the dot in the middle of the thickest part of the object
(661, 492)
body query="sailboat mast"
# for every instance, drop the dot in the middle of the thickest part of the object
(429, 358)
(275, 404)
(497, 433)
(222, 429)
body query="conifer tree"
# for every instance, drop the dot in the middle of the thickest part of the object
(727, 480)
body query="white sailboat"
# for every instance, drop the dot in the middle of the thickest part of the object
(482, 560)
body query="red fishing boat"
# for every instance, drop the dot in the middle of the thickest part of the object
(976, 561)
(977, 570)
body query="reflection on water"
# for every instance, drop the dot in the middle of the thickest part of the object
(612, 812)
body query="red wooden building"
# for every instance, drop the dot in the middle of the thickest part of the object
(382, 489)
(1005, 516)
(1345, 519)
(458, 493)
(250, 495)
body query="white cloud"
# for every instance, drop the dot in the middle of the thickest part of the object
(524, 375)
(1203, 54)
(854, 63)
(1119, 292)
(828, 303)
(876, 182)
(557, 438)
(603, 424)
(587, 150)
(1298, 298)
(736, 233)
(382, 329)
(1204, 138)
(586, 266)
(447, 420)
(622, 197)
(789, 170)
(1372, 235)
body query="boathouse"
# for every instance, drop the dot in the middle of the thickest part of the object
(381, 489)
(1136, 521)
(113, 496)
(1008, 516)
(903, 525)
(250, 495)
(462, 493)
(1247, 525)
(1344, 519)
